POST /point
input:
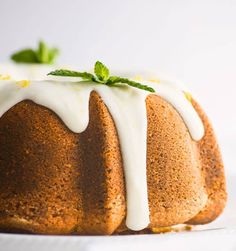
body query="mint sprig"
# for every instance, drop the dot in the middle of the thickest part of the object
(101, 76)
(67, 73)
(42, 55)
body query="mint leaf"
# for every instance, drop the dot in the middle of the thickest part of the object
(102, 77)
(52, 55)
(101, 71)
(42, 55)
(68, 73)
(115, 80)
(24, 56)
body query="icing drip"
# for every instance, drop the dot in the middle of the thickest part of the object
(70, 101)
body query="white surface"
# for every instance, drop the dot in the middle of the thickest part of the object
(223, 240)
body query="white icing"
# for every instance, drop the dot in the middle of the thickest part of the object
(26, 71)
(70, 101)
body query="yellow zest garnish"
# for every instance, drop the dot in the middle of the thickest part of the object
(188, 96)
(160, 230)
(138, 78)
(5, 77)
(23, 83)
(158, 81)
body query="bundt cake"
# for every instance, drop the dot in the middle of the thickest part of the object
(87, 158)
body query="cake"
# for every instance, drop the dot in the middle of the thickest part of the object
(90, 159)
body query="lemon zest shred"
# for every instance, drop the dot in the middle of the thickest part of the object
(188, 96)
(155, 80)
(23, 83)
(138, 78)
(5, 77)
(160, 230)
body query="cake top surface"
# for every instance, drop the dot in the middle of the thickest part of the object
(30, 80)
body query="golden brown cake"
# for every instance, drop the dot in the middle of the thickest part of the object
(54, 180)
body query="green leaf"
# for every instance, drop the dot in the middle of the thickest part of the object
(101, 71)
(102, 77)
(115, 80)
(42, 55)
(25, 56)
(53, 53)
(68, 73)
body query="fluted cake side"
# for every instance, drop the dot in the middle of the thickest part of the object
(55, 181)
